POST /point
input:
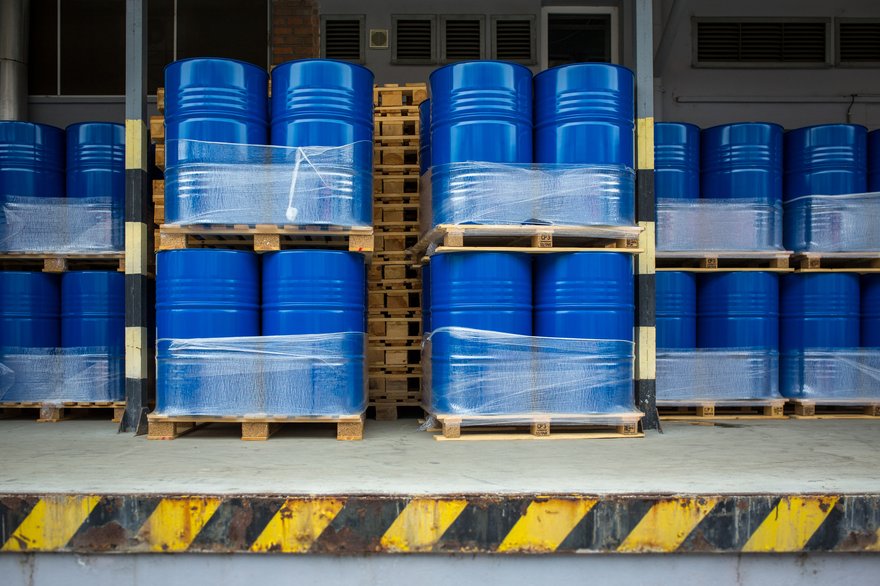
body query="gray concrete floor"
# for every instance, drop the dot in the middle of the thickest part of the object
(738, 457)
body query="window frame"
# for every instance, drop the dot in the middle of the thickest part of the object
(445, 18)
(829, 43)
(533, 36)
(432, 18)
(614, 23)
(838, 62)
(361, 18)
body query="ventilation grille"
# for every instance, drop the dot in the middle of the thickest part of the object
(859, 42)
(464, 40)
(342, 39)
(761, 42)
(513, 40)
(413, 40)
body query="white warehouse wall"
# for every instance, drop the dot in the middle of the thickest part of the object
(682, 89)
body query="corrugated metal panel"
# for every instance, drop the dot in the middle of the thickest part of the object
(513, 40)
(413, 40)
(342, 39)
(463, 39)
(859, 42)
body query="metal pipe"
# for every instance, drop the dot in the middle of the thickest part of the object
(13, 59)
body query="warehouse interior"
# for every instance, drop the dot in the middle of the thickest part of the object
(736, 500)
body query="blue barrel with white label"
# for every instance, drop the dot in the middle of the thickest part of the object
(424, 136)
(29, 310)
(738, 310)
(584, 295)
(481, 112)
(326, 103)
(471, 371)
(742, 161)
(830, 159)
(874, 161)
(31, 160)
(676, 160)
(676, 309)
(870, 325)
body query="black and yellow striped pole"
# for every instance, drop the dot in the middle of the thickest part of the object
(646, 331)
(137, 234)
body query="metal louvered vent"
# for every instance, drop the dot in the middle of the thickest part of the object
(513, 40)
(859, 42)
(463, 39)
(762, 42)
(343, 39)
(413, 40)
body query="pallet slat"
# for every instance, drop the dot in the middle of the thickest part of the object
(160, 427)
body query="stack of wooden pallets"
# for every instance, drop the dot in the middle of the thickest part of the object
(395, 292)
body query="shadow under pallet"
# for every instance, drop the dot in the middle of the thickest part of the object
(165, 427)
(719, 410)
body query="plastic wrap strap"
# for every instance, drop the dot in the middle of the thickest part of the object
(56, 375)
(839, 223)
(832, 373)
(476, 372)
(283, 376)
(554, 194)
(226, 183)
(718, 224)
(717, 374)
(60, 225)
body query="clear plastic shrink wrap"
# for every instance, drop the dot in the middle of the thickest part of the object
(718, 224)
(471, 372)
(839, 223)
(832, 374)
(61, 225)
(282, 376)
(59, 375)
(552, 194)
(717, 374)
(226, 183)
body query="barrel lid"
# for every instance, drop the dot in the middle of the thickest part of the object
(746, 123)
(223, 59)
(588, 64)
(481, 61)
(339, 61)
(76, 125)
(824, 126)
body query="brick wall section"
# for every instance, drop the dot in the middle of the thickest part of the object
(295, 29)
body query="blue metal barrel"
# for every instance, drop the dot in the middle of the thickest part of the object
(584, 115)
(870, 325)
(426, 298)
(676, 160)
(96, 161)
(424, 136)
(217, 100)
(738, 310)
(874, 161)
(29, 310)
(584, 295)
(207, 293)
(31, 160)
(742, 161)
(313, 292)
(326, 103)
(482, 290)
(676, 309)
(830, 159)
(819, 310)
(93, 309)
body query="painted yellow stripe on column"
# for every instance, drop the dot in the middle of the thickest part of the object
(135, 153)
(135, 352)
(177, 521)
(790, 524)
(297, 524)
(51, 523)
(135, 248)
(876, 545)
(545, 525)
(647, 260)
(666, 525)
(646, 348)
(421, 524)
(645, 136)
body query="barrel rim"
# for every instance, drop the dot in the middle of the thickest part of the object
(48, 127)
(94, 123)
(752, 123)
(671, 123)
(214, 251)
(589, 64)
(226, 59)
(471, 61)
(814, 126)
(294, 251)
(319, 60)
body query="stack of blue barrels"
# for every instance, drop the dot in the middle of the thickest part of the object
(63, 335)
(225, 317)
(482, 112)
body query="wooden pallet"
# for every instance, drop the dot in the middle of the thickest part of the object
(393, 95)
(834, 409)
(390, 410)
(54, 412)
(726, 261)
(158, 203)
(718, 410)
(393, 356)
(61, 263)
(528, 238)
(838, 261)
(395, 155)
(512, 427)
(157, 129)
(395, 327)
(162, 427)
(266, 237)
(160, 156)
(409, 299)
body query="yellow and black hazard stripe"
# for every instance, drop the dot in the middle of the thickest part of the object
(645, 278)
(474, 524)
